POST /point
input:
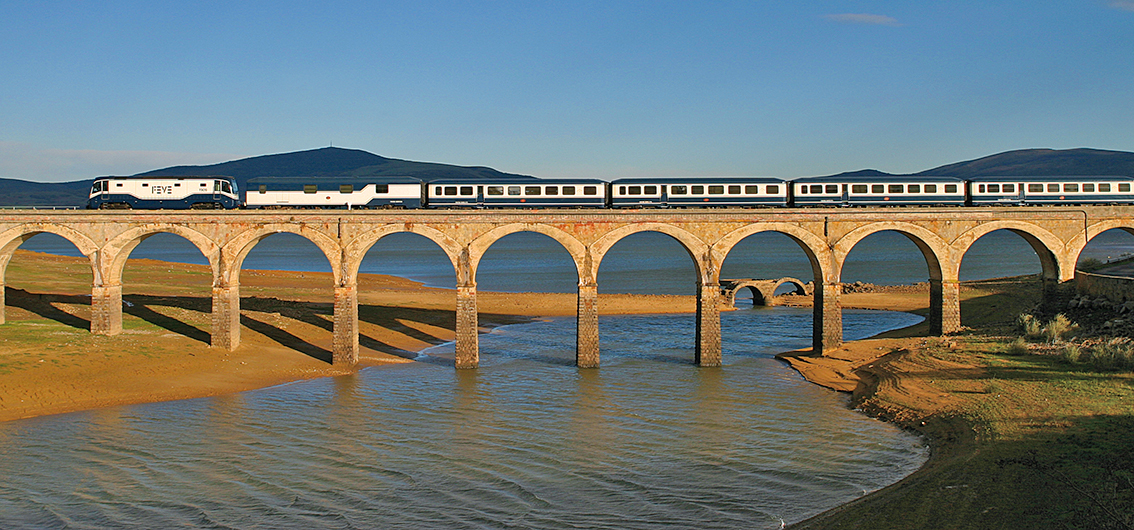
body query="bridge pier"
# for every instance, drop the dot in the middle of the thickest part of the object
(587, 326)
(827, 328)
(944, 307)
(3, 301)
(344, 345)
(467, 354)
(708, 348)
(106, 309)
(226, 317)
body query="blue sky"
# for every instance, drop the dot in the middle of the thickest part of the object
(562, 89)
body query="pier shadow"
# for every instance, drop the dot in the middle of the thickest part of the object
(286, 339)
(140, 306)
(43, 305)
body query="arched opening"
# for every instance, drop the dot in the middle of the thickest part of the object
(763, 326)
(46, 284)
(659, 322)
(530, 274)
(1110, 253)
(890, 270)
(285, 294)
(406, 298)
(166, 287)
(1005, 272)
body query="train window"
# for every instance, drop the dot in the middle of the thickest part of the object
(895, 188)
(551, 190)
(858, 188)
(1009, 188)
(308, 188)
(931, 188)
(450, 190)
(650, 190)
(802, 190)
(1035, 188)
(1053, 188)
(1124, 187)
(698, 190)
(622, 190)
(678, 190)
(1089, 188)
(635, 190)
(752, 189)
(437, 190)
(832, 188)
(994, 188)
(981, 188)
(119, 184)
(914, 188)
(1104, 187)
(734, 189)
(346, 188)
(816, 188)
(145, 185)
(590, 190)
(381, 188)
(466, 190)
(877, 188)
(950, 188)
(1070, 187)
(226, 187)
(532, 190)
(176, 184)
(513, 190)
(716, 190)
(496, 190)
(568, 190)
(772, 189)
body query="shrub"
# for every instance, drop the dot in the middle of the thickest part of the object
(1017, 347)
(1072, 353)
(1113, 355)
(1059, 328)
(1029, 325)
(1090, 264)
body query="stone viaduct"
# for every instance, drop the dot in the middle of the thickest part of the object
(826, 236)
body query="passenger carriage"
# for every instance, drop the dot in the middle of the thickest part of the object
(698, 192)
(517, 193)
(338, 192)
(164, 193)
(878, 191)
(991, 191)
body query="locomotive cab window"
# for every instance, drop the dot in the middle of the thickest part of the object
(381, 188)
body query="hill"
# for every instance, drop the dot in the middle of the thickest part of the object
(1033, 162)
(331, 162)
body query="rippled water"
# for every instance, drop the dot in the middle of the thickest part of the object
(526, 441)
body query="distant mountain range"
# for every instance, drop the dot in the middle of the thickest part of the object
(337, 162)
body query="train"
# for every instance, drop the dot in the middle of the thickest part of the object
(220, 192)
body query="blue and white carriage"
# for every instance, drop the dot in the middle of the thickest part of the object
(698, 192)
(878, 191)
(517, 193)
(168, 193)
(991, 191)
(338, 192)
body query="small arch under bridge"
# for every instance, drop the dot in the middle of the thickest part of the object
(763, 291)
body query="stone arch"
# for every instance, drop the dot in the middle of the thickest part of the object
(1078, 243)
(698, 250)
(1054, 260)
(118, 250)
(574, 248)
(11, 239)
(355, 251)
(935, 250)
(234, 251)
(812, 245)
